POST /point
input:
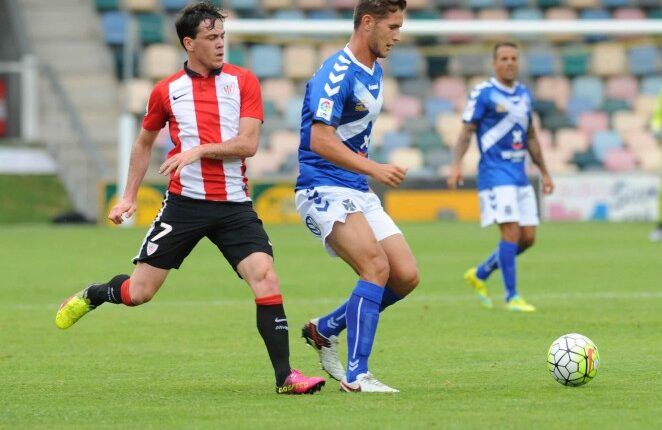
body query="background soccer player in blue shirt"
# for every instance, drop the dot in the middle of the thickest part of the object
(342, 101)
(499, 112)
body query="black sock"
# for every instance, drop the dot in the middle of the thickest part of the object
(98, 294)
(272, 325)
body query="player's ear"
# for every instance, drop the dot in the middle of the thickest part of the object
(368, 22)
(188, 43)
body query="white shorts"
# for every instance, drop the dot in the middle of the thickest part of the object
(508, 203)
(321, 207)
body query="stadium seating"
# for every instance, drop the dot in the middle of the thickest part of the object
(593, 94)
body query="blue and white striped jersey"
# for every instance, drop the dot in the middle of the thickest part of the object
(347, 95)
(502, 116)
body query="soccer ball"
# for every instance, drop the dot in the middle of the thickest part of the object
(573, 360)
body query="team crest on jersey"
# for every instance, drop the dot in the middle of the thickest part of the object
(228, 88)
(360, 106)
(151, 248)
(325, 109)
(517, 139)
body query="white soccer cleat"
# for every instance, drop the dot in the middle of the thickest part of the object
(327, 349)
(366, 383)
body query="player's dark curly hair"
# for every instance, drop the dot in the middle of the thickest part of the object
(379, 9)
(187, 23)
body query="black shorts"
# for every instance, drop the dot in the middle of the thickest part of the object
(180, 224)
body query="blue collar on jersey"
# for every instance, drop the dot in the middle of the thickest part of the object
(194, 74)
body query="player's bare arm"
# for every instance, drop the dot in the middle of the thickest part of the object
(536, 156)
(244, 145)
(460, 148)
(325, 143)
(141, 152)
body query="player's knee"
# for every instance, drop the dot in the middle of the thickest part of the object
(265, 282)
(526, 243)
(142, 292)
(377, 269)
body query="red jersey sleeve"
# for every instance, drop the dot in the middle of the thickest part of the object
(251, 98)
(156, 115)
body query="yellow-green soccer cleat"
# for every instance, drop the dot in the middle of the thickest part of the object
(518, 304)
(73, 309)
(479, 287)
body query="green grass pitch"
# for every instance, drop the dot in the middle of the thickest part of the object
(192, 358)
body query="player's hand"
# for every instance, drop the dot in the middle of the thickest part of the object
(455, 177)
(122, 211)
(177, 162)
(547, 184)
(389, 174)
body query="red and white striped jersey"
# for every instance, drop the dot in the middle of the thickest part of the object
(201, 110)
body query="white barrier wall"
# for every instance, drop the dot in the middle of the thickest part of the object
(603, 197)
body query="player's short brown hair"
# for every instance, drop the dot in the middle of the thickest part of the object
(502, 44)
(189, 20)
(379, 9)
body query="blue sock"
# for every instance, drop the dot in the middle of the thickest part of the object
(507, 254)
(362, 318)
(488, 266)
(334, 323)
(388, 299)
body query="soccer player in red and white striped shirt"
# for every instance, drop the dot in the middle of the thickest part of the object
(214, 114)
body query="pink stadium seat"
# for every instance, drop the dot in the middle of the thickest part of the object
(620, 160)
(391, 92)
(561, 13)
(496, 14)
(417, 4)
(141, 5)
(407, 107)
(265, 161)
(645, 147)
(386, 123)
(640, 140)
(160, 60)
(649, 160)
(299, 61)
(276, 4)
(592, 122)
(278, 91)
(137, 92)
(544, 138)
(284, 142)
(572, 140)
(583, 4)
(628, 13)
(406, 157)
(609, 58)
(451, 88)
(554, 88)
(622, 88)
(458, 14)
(342, 4)
(328, 49)
(448, 126)
(311, 4)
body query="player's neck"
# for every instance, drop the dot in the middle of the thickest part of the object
(198, 67)
(506, 82)
(361, 51)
